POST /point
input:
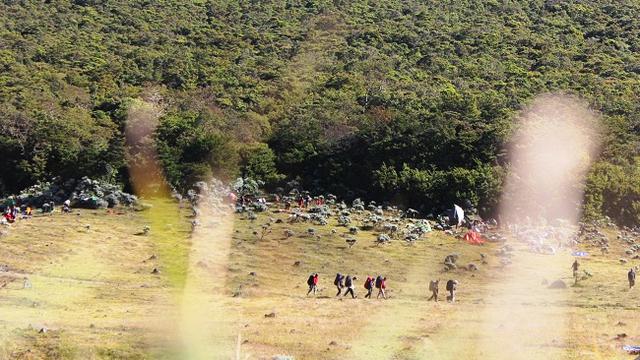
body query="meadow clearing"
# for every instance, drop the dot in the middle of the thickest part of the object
(83, 286)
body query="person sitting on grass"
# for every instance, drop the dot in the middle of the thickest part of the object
(8, 216)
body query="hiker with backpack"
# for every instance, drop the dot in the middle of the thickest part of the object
(434, 287)
(348, 283)
(312, 281)
(631, 276)
(381, 285)
(452, 286)
(368, 285)
(338, 282)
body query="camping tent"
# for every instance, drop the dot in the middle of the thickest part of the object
(473, 238)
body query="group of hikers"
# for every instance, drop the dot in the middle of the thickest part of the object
(13, 210)
(348, 282)
(379, 282)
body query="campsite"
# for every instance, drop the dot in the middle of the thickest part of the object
(319, 179)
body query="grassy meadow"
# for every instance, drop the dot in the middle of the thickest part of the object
(91, 293)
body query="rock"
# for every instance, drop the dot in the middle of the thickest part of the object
(43, 330)
(623, 261)
(297, 263)
(253, 273)
(621, 336)
(472, 267)
(155, 271)
(270, 315)
(333, 343)
(558, 284)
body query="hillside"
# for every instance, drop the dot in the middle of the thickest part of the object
(92, 289)
(407, 101)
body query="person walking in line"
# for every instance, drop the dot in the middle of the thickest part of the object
(312, 281)
(434, 287)
(349, 284)
(381, 286)
(452, 287)
(368, 285)
(631, 276)
(339, 283)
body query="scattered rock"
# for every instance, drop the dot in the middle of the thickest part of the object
(155, 271)
(558, 284)
(253, 273)
(270, 315)
(333, 343)
(297, 263)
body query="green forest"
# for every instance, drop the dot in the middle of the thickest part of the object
(406, 101)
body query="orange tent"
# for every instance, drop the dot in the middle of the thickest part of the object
(473, 238)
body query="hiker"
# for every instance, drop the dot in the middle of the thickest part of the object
(368, 284)
(381, 285)
(452, 286)
(434, 287)
(348, 283)
(631, 275)
(575, 266)
(313, 283)
(338, 282)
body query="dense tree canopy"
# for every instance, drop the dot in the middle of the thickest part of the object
(409, 101)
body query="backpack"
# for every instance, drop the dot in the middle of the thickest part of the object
(432, 285)
(367, 283)
(310, 280)
(337, 280)
(451, 285)
(378, 282)
(348, 282)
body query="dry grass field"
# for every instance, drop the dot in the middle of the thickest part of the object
(90, 293)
